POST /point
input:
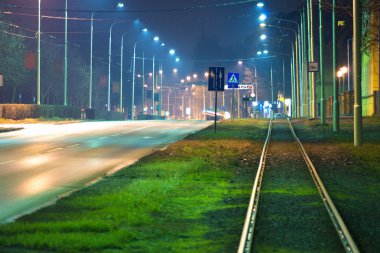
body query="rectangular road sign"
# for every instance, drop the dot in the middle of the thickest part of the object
(233, 80)
(240, 87)
(216, 78)
(313, 66)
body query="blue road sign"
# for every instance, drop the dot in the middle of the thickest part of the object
(233, 80)
(216, 78)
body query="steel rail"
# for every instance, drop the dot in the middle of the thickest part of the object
(249, 224)
(343, 233)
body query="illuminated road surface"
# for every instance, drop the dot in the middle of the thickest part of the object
(44, 161)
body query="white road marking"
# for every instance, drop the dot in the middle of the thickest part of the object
(56, 149)
(102, 138)
(138, 129)
(147, 137)
(72, 146)
(115, 135)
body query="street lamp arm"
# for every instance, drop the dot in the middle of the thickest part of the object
(287, 20)
(285, 28)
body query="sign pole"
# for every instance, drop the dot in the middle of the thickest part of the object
(216, 105)
(233, 104)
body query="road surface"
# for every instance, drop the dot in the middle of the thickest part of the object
(45, 161)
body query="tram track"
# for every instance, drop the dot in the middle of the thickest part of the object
(247, 241)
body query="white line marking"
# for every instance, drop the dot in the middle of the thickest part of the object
(102, 138)
(115, 135)
(56, 149)
(138, 129)
(147, 137)
(3, 163)
(72, 146)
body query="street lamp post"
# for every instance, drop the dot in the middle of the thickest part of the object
(311, 57)
(335, 89)
(91, 49)
(39, 55)
(65, 71)
(357, 74)
(109, 67)
(321, 77)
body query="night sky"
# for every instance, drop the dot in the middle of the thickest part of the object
(210, 33)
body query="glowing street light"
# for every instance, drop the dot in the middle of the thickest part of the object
(240, 62)
(145, 30)
(263, 25)
(344, 70)
(188, 78)
(156, 38)
(175, 71)
(177, 59)
(206, 74)
(260, 4)
(265, 52)
(263, 37)
(171, 51)
(120, 5)
(259, 53)
(195, 76)
(262, 17)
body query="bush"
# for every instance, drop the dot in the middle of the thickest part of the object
(105, 115)
(24, 111)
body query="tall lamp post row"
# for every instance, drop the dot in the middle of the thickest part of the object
(301, 84)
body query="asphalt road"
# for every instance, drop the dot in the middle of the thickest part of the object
(45, 161)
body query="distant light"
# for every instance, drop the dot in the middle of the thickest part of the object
(240, 62)
(177, 59)
(339, 74)
(175, 71)
(162, 44)
(259, 53)
(188, 78)
(156, 38)
(206, 74)
(182, 80)
(254, 103)
(150, 74)
(171, 51)
(145, 30)
(263, 25)
(195, 76)
(160, 72)
(265, 52)
(263, 37)
(193, 86)
(344, 69)
(260, 4)
(120, 5)
(262, 17)
(138, 75)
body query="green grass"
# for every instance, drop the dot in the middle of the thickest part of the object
(351, 175)
(191, 197)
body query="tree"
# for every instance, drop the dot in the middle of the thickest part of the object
(12, 57)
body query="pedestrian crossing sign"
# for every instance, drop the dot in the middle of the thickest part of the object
(233, 80)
